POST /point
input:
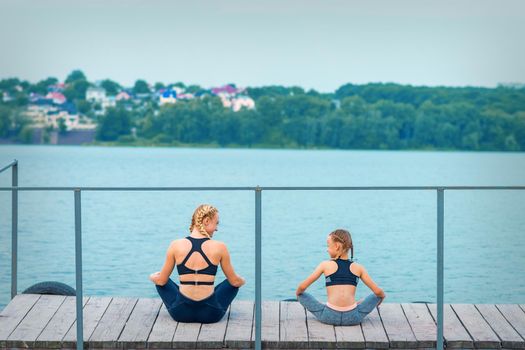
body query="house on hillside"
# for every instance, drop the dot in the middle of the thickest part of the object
(58, 87)
(228, 91)
(168, 96)
(96, 94)
(57, 97)
(232, 97)
(242, 101)
(122, 96)
(6, 97)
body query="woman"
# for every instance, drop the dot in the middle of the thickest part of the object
(341, 277)
(197, 257)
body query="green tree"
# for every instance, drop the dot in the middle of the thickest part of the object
(62, 128)
(83, 106)
(141, 87)
(5, 121)
(42, 86)
(112, 88)
(158, 86)
(114, 123)
(74, 76)
(76, 90)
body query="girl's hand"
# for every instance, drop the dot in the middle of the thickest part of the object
(300, 290)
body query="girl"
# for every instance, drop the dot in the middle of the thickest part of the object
(341, 277)
(197, 257)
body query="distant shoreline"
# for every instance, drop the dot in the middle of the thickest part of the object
(145, 144)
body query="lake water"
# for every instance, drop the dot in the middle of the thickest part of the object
(125, 234)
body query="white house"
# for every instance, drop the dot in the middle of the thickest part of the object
(242, 101)
(96, 94)
(110, 101)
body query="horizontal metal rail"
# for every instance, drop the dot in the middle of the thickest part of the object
(271, 188)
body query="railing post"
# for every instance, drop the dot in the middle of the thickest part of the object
(440, 259)
(78, 270)
(258, 258)
(14, 231)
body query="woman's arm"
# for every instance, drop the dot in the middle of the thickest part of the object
(365, 277)
(310, 279)
(161, 278)
(227, 267)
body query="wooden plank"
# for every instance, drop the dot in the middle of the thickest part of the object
(349, 337)
(139, 324)
(515, 315)
(112, 323)
(422, 324)
(186, 335)
(509, 337)
(320, 335)
(161, 336)
(14, 313)
(212, 335)
(59, 325)
(456, 336)
(270, 325)
(294, 333)
(396, 326)
(373, 331)
(240, 324)
(35, 321)
(93, 311)
(483, 336)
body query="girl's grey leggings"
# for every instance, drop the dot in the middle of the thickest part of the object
(339, 318)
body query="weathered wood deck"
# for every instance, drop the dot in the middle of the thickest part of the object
(44, 322)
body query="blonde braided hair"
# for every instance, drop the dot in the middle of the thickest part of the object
(203, 211)
(343, 237)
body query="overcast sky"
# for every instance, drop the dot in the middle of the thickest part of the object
(314, 44)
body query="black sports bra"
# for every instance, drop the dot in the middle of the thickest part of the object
(211, 269)
(342, 275)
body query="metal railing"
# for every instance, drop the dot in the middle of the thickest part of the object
(14, 224)
(440, 192)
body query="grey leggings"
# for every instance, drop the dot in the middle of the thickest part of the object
(339, 318)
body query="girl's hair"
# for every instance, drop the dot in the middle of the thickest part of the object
(343, 237)
(203, 211)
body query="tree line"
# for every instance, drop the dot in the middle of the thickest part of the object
(372, 116)
(369, 116)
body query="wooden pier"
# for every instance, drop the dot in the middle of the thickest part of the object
(48, 322)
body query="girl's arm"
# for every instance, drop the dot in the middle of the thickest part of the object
(161, 278)
(310, 279)
(227, 267)
(365, 277)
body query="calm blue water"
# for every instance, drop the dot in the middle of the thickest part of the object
(125, 235)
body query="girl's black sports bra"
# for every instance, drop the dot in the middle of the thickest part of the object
(211, 269)
(342, 275)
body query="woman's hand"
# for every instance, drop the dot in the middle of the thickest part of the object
(153, 277)
(381, 295)
(239, 282)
